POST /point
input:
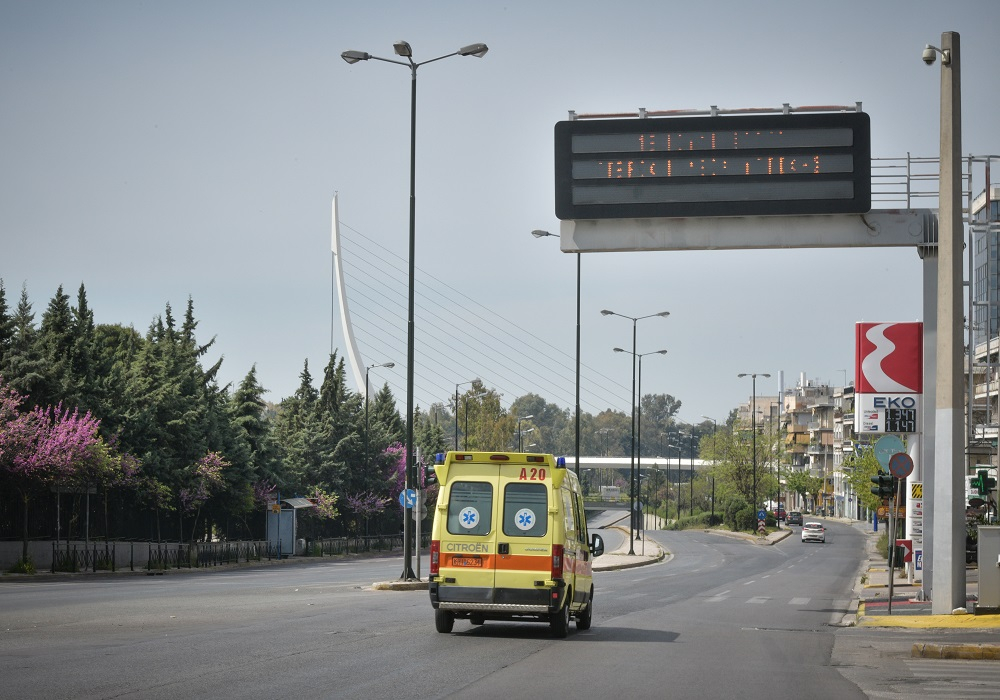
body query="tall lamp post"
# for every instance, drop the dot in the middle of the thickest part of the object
(538, 233)
(947, 568)
(521, 418)
(456, 410)
(753, 425)
(387, 365)
(638, 416)
(715, 447)
(631, 488)
(404, 50)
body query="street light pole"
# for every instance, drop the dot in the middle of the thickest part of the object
(521, 418)
(638, 415)
(404, 50)
(715, 448)
(538, 233)
(631, 488)
(753, 426)
(456, 410)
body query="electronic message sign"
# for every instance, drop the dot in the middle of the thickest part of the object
(742, 165)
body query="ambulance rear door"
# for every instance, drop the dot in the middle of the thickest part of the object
(524, 540)
(468, 542)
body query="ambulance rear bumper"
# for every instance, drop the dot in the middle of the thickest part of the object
(507, 601)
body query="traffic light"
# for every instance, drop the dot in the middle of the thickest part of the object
(430, 476)
(885, 485)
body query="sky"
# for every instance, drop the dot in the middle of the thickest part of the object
(160, 152)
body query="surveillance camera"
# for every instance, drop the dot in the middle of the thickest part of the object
(929, 55)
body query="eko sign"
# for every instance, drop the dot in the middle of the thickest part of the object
(888, 377)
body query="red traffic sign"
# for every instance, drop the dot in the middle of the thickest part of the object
(900, 465)
(907, 546)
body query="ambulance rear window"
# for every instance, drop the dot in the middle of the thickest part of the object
(525, 510)
(470, 509)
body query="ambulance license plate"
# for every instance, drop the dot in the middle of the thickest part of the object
(467, 561)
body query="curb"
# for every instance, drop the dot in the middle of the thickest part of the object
(980, 652)
(399, 586)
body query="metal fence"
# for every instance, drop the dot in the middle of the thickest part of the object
(152, 556)
(82, 557)
(333, 546)
(204, 554)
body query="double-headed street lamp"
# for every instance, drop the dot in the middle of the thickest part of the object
(456, 409)
(404, 50)
(538, 233)
(753, 425)
(387, 365)
(634, 320)
(715, 430)
(519, 433)
(638, 415)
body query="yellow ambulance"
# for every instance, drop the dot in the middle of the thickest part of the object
(510, 542)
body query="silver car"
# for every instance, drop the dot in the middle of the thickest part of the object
(813, 532)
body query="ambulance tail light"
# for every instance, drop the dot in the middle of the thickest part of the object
(435, 557)
(557, 561)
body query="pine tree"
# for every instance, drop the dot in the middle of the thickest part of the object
(7, 330)
(24, 364)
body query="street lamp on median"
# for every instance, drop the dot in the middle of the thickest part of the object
(519, 433)
(634, 320)
(404, 50)
(753, 426)
(715, 429)
(638, 415)
(538, 233)
(456, 409)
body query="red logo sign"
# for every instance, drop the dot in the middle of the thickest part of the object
(890, 358)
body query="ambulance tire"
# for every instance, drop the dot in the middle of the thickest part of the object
(444, 621)
(586, 616)
(477, 619)
(560, 622)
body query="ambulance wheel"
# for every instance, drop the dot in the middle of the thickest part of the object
(560, 621)
(477, 619)
(444, 621)
(585, 616)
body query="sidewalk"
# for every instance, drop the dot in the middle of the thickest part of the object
(646, 552)
(908, 610)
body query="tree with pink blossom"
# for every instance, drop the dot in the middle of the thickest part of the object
(204, 481)
(43, 446)
(366, 505)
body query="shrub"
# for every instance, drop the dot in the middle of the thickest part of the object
(22, 566)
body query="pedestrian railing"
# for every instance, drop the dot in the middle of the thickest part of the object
(83, 557)
(360, 544)
(203, 554)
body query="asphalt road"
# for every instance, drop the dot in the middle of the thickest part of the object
(722, 618)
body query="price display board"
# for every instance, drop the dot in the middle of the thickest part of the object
(744, 165)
